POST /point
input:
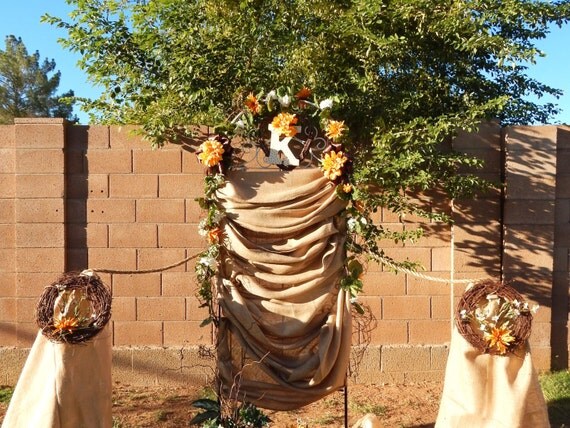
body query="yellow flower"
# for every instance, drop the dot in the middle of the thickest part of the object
(332, 164)
(65, 323)
(347, 188)
(285, 123)
(252, 103)
(211, 152)
(303, 93)
(334, 129)
(499, 338)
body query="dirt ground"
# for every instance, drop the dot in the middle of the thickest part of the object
(413, 405)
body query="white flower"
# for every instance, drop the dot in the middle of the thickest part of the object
(463, 314)
(495, 318)
(271, 95)
(240, 124)
(202, 227)
(534, 309)
(351, 224)
(363, 220)
(516, 303)
(325, 104)
(285, 100)
(217, 217)
(482, 327)
(209, 262)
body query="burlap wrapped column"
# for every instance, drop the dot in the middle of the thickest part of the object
(490, 391)
(64, 386)
(285, 338)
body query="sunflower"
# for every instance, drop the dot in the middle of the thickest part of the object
(499, 338)
(252, 103)
(211, 152)
(332, 164)
(65, 323)
(335, 129)
(285, 123)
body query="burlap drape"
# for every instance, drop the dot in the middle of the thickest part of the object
(64, 386)
(284, 316)
(490, 391)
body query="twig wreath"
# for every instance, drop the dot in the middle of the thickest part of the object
(75, 308)
(494, 318)
(280, 116)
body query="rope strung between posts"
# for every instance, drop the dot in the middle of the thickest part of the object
(390, 264)
(141, 271)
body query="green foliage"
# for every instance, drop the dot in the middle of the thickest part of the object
(26, 89)
(245, 415)
(407, 74)
(556, 389)
(6, 394)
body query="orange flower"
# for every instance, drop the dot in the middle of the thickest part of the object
(215, 235)
(499, 338)
(65, 323)
(332, 164)
(252, 103)
(284, 123)
(211, 152)
(303, 93)
(334, 129)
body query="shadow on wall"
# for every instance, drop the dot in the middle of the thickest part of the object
(77, 193)
(537, 224)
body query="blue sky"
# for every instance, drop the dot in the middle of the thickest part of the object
(22, 18)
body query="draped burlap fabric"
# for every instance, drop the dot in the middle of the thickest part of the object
(490, 391)
(64, 386)
(286, 332)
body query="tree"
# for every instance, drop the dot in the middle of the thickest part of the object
(407, 74)
(26, 89)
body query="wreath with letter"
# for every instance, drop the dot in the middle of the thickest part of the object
(275, 121)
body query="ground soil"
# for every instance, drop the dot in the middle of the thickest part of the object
(412, 405)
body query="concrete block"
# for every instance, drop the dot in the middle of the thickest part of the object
(406, 307)
(160, 211)
(180, 186)
(161, 308)
(39, 132)
(30, 210)
(133, 186)
(40, 186)
(406, 358)
(134, 235)
(427, 332)
(125, 285)
(104, 161)
(157, 161)
(136, 333)
(39, 161)
(187, 333)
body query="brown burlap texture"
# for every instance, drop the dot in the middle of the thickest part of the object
(285, 318)
(490, 391)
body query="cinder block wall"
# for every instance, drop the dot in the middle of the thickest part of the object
(95, 196)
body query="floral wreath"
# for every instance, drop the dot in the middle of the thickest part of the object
(494, 318)
(284, 112)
